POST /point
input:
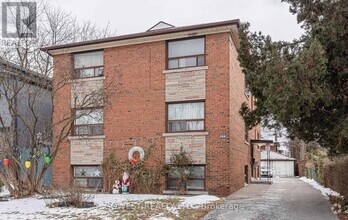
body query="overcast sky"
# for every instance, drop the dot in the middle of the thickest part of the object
(129, 16)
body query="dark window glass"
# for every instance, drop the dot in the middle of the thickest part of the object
(195, 180)
(95, 183)
(88, 176)
(173, 184)
(195, 184)
(80, 182)
(197, 172)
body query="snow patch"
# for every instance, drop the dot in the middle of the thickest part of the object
(33, 208)
(4, 191)
(160, 218)
(324, 191)
(199, 200)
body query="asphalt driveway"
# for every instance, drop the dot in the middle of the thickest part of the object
(286, 198)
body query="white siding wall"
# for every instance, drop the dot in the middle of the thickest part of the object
(281, 168)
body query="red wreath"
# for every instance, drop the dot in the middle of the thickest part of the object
(135, 159)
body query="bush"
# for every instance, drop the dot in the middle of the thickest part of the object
(180, 164)
(336, 175)
(316, 158)
(111, 169)
(145, 179)
(69, 198)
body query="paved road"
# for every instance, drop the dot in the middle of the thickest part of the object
(286, 198)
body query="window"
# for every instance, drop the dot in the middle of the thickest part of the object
(195, 180)
(88, 122)
(186, 53)
(185, 117)
(89, 64)
(88, 176)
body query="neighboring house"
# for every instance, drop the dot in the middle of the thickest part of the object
(280, 165)
(32, 89)
(272, 147)
(173, 86)
(275, 147)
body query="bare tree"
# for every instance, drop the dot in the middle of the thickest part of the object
(27, 123)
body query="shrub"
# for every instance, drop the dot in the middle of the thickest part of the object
(144, 178)
(111, 168)
(180, 164)
(69, 198)
(316, 157)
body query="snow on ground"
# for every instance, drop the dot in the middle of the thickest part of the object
(324, 191)
(4, 191)
(198, 200)
(107, 206)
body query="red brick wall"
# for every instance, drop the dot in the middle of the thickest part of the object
(217, 114)
(239, 150)
(135, 94)
(134, 112)
(62, 109)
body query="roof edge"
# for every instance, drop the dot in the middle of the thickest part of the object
(143, 34)
(26, 75)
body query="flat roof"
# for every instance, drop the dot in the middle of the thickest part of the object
(144, 34)
(25, 74)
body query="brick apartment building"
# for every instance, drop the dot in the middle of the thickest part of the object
(172, 86)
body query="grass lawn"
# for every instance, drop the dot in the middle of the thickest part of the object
(111, 206)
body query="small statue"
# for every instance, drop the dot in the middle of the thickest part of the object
(125, 183)
(116, 188)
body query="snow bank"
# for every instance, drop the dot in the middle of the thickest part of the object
(324, 191)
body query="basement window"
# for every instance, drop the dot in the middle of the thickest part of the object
(186, 53)
(90, 64)
(195, 181)
(88, 176)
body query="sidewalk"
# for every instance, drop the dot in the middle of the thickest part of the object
(286, 198)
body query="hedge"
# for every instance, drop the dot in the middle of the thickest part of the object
(336, 175)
